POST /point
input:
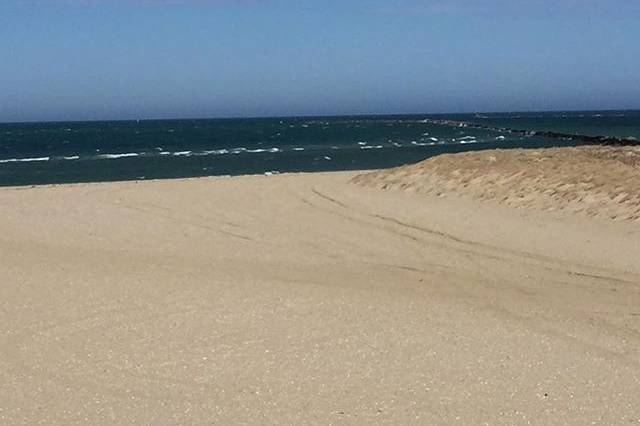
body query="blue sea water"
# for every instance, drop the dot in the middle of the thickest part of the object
(45, 153)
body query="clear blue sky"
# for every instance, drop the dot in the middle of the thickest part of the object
(101, 59)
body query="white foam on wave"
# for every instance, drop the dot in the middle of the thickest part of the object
(72, 157)
(468, 141)
(182, 153)
(24, 160)
(255, 151)
(372, 147)
(215, 152)
(116, 156)
(433, 139)
(298, 149)
(466, 138)
(500, 138)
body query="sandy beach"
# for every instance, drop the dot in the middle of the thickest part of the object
(316, 299)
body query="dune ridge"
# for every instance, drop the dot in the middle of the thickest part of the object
(595, 181)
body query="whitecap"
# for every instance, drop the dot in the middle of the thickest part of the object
(116, 156)
(73, 157)
(215, 152)
(24, 160)
(182, 153)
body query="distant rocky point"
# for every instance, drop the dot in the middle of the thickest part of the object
(587, 139)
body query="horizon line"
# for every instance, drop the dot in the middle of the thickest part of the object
(265, 117)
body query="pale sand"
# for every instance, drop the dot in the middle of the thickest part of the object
(307, 299)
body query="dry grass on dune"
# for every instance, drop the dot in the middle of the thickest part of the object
(596, 181)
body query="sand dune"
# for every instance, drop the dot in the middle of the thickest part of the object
(306, 299)
(594, 181)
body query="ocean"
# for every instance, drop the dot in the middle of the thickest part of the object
(67, 152)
